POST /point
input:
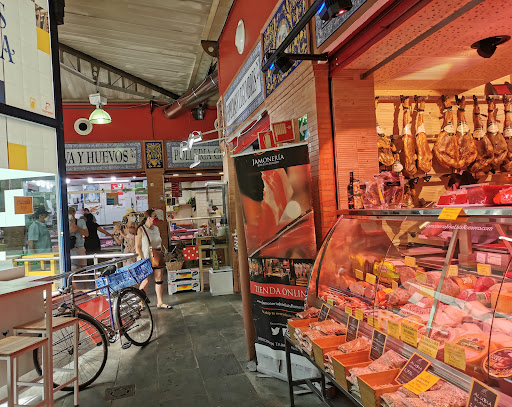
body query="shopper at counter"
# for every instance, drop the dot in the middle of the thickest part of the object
(92, 241)
(38, 235)
(148, 238)
(77, 232)
(124, 235)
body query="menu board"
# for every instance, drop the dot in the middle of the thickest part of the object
(352, 329)
(414, 366)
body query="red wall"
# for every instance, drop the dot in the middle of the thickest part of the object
(255, 14)
(133, 122)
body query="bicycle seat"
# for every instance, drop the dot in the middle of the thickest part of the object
(108, 271)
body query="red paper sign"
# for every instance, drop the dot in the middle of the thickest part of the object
(266, 139)
(116, 186)
(190, 253)
(283, 131)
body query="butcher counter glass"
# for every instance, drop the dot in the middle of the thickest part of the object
(440, 286)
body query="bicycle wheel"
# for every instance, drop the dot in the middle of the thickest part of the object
(133, 316)
(92, 353)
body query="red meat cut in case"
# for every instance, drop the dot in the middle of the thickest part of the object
(483, 194)
(484, 283)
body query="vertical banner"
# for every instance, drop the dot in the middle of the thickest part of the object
(275, 189)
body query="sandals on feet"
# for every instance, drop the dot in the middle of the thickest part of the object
(164, 306)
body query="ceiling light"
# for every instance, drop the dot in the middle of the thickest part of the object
(196, 162)
(89, 180)
(99, 116)
(221, 173)
(486, 47)
(282, 65)
(67, 180)
(334, 8)
(113, 178)
(199, 173)
(133, 177)
(175, 175)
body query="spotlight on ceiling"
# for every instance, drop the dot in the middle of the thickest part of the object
(282, 65)
(334, 8)
(99, 116)
(198, 111)
(486, 47)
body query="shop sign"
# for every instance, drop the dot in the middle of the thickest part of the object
(209, 154)
(283, 131)
(246, 92)
(285, 18)
(103, 156)
(324, 29)
(26, 80)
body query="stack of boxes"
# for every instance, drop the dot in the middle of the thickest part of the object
(183, 280)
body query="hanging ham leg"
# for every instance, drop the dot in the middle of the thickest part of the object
(424, 153)
(446, 148)
(493, 133)
(408, 156)
(467, 147)
(507, 133)
(384, 145)
(484, 148)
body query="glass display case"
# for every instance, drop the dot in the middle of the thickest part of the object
(441, 287)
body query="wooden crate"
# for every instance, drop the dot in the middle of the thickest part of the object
(343, 363)
(296, 323)
(323, 345)
(369, 386)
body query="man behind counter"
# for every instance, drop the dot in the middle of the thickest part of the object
(38, 235)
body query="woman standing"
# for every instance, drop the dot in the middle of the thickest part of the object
(148, 238)
(92, 242)
(125, 235)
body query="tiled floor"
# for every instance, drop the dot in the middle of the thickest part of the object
(197, 358)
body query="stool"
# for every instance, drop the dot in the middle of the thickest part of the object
(58, 323)
(13, 347)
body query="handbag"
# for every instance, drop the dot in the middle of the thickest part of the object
(157, 257)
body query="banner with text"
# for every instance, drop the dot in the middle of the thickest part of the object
(275, 189)
(103, 156)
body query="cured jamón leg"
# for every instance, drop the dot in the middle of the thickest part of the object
(446, 148)
(484, 148)
(467, 147)
(424, 153)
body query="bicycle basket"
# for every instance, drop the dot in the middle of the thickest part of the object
(140, 270)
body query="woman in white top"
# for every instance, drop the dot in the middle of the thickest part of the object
(142, 246)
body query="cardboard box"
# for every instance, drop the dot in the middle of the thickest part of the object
(183, 285)
(184, 274)
(296, 323)
(343, 363)
(323, 345)
(370, 386)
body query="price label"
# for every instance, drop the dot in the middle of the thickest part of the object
(421, 383)
(371, 320)
(324, 311)
(379, 340)
(481, 395)
(330, 301)
(453, 270)
(409, 334)
(455, 355)
(428, 346)
(352, 329)
(394, 285)
(451, 213)
(348, 310)
(421, 276)
(410, 261)
(359, 275)
(483, 269)
(359, 314)
(394, 329)
(371, 278)
(414, 366)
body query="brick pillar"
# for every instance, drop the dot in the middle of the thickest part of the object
(156, 198)
(355, 134)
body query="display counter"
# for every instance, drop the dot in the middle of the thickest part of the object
(438, 287)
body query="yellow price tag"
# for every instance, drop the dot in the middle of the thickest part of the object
(330, 301)
(371, 278)
(394, 285)
(371, 320)
(348, 310)
(421, 383)
(451, 213)
(453, 270)
(410, 261)
(394, 329)
(359, 314)
(455, 355)
(483, 269)
(421, 276)
(359, 274)
(428, 346)
(409, 334)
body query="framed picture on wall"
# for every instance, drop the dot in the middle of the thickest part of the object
(91, 197)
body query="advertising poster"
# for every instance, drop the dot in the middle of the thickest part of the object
(275, 190)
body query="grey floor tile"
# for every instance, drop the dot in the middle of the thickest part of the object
(189, 401)
(239, 348)
(232, 391)
(180, 385)
(143, 397)
(92, 396)
(176, 361)
(198, 319)
(218, 365)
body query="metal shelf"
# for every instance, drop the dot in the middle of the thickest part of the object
(481, 211)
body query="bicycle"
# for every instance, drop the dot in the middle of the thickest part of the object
(127, 315)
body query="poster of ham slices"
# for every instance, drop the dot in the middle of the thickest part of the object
(275, 191)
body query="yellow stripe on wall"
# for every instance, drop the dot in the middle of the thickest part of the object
(43, 40)
(17, 156)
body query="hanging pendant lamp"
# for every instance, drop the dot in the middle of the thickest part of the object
(99, 116)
